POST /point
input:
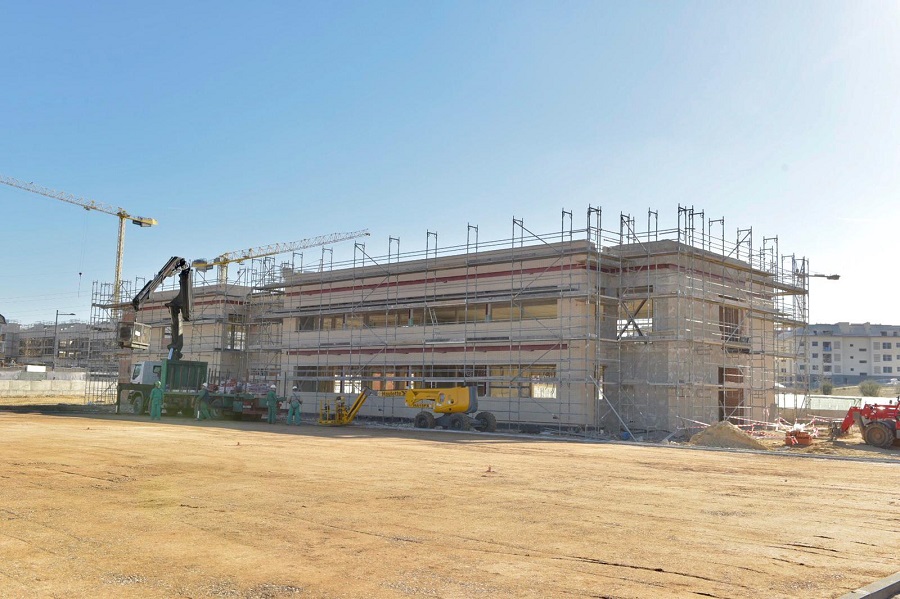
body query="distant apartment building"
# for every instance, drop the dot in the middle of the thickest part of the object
(34, 344)
(846, 353)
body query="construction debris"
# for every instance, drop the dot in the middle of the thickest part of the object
(725, 434)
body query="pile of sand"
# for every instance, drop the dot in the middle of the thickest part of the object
(725, 434)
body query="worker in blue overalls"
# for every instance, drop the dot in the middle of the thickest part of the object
(156, 401)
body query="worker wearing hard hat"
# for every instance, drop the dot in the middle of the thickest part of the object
(294, 407)
(156, 401)
(272, 404)
(203, 402)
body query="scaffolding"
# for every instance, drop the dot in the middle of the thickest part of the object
(628, 329)
(106, 360)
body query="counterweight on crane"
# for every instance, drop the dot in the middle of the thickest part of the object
(121, 213)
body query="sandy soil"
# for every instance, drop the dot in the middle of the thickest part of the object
(116, 506)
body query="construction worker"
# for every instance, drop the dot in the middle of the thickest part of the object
(156, 401)
(272, 404)
(203, 400)
(294, 407)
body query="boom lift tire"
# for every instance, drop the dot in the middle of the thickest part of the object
(458, 422)
(487, 422)
(424, 420)
(878, 434)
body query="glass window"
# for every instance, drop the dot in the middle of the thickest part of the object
(308, 323)
(476, 312)
(448, 314)
(332, 323)
(539, 309)
(502, 312)
(381, 320)
(730, 323)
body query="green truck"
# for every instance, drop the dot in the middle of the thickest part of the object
(181, 382)
(181, 379)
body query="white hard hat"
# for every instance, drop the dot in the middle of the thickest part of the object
(205, 385)
(294, 388)
(272, 387)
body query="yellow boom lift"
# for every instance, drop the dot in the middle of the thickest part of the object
(448, 407)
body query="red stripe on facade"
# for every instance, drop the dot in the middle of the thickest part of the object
(443, 279)
(162, 306)
(435, 350)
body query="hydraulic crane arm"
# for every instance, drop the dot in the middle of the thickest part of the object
(181, 305)
(174, 265)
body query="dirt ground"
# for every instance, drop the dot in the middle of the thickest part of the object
(117, 506)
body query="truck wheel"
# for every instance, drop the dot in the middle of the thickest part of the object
(458, 422)
(878, 434)
(138, 403)
(487, 422)
(424, 420)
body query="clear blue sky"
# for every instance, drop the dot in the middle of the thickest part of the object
(243, 124)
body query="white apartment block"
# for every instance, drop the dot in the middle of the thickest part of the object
(848, 353)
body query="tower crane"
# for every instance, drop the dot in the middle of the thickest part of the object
(272, 249)
(141, 221)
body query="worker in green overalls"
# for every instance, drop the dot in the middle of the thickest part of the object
(294, 407)
(203, 400)
(272, 404)
(156, 401)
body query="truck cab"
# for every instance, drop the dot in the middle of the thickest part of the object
(146, 373)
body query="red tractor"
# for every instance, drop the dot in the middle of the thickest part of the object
(878, 423)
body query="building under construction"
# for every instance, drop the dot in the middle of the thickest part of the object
(603, 329)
